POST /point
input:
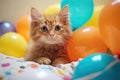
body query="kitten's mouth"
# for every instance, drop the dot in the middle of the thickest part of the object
(52, 39)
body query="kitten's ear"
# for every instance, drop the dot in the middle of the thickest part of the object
(35, 14)
(64, 14)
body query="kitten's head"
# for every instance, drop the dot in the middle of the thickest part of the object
(50, 29)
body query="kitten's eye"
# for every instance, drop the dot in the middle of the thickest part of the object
(57, 27)
(44, 28)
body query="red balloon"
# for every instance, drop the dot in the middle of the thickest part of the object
(23, 27)
(85, 41)
(109, 24)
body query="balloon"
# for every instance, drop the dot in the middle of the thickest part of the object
(52, 9)
(96, 65)
(23, 27)
(94, 19)
(12, 44)
(6, 26)
(112, 74)
(109, 24)
(80, 11)
(85, 41)
(36, 74)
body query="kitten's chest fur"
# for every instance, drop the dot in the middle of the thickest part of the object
(50, 51)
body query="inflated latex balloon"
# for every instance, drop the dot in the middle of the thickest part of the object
(52, 9)
(13, 44)
(6, 26)
(64, 3)
(36, 74)
(80, 11)
(23, 27)
(109, 24)
(95, 65)
(95, 17)
(113, 73)
(85, 41)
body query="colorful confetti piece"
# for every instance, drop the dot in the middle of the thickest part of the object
(22, 67)
(1, 78)
(5, 65)
(8, 73)
(34, 66)
(20, 71)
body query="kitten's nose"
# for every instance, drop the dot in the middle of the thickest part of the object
(51, 35)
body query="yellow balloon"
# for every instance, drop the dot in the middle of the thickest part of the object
(52, 9)
(95, 17)
(13, 44)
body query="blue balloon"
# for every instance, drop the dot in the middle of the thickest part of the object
(80, 11)
(93, 66)
(113, 73)
(64, 3)
(6, 26)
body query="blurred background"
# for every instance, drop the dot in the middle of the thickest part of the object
(12, 10)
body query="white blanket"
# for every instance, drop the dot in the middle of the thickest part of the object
(17, 69)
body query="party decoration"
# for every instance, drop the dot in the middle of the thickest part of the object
(80, 11)
(37, 74)
(64, 3)
(111, 74)
(23, 27)
(53, 9)
(95, 17)
(85, 41)
(95, 66)
(12, 44)
(109, 24)
(6, 26)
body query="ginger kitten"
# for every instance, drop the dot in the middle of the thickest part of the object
(49, 34)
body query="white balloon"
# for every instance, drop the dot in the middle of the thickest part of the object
(36, 74)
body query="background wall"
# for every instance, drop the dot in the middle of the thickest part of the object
(12, 10)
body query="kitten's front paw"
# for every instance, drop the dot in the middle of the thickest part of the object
(43, 60)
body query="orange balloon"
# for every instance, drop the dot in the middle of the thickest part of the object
(23, 27)
(85, 41)
(109, 24)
